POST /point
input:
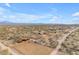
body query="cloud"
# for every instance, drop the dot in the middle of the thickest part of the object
(16, 17)
(8, 15)
(76, 14)
(7, 4)
(54, 10)
(23, 17)
(55, 18)
(75, 18)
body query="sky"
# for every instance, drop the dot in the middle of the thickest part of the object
(55, 13)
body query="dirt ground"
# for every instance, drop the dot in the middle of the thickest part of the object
(27, 48)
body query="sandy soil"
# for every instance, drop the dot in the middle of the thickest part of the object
(32, 48)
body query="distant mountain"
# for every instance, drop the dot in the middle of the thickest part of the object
(12, 23)
(6, 22)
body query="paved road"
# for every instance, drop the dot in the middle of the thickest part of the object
(54, 52)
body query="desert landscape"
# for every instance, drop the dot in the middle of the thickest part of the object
(39, 39)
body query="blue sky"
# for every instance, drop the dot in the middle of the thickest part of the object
(59, 13)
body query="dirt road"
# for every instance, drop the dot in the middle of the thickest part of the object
(12, 51)
(54, 52)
